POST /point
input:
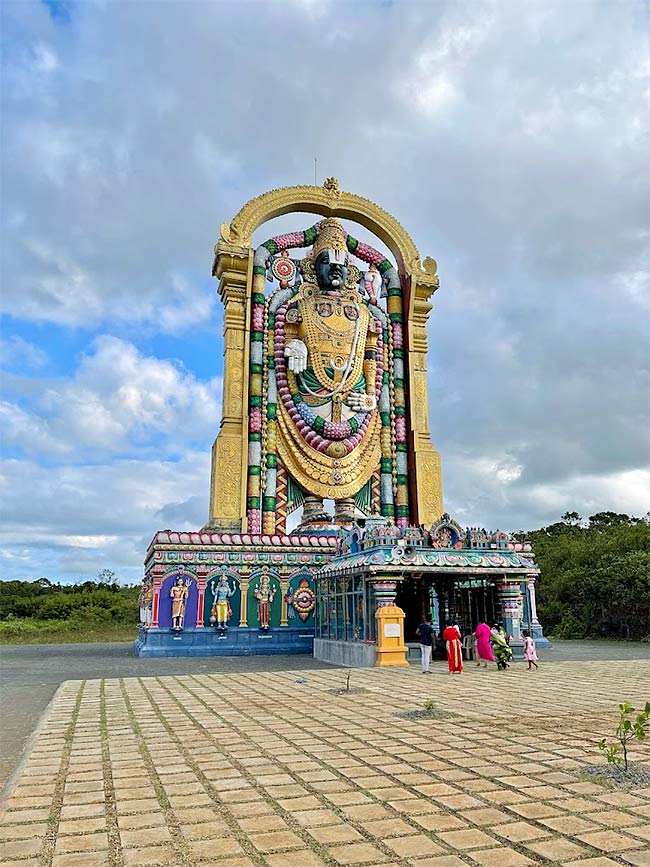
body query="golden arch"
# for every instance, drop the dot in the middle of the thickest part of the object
(329, 201)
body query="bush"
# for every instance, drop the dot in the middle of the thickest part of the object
(88, 602)
(594, 576)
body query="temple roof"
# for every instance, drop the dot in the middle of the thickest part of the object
(394, 558)
(280, 541)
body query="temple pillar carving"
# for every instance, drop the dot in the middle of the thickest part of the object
(532, 599)
(243, 608)
(426, 486)
(511, 603)
(200, 584)
(284, 589)
(227, 488)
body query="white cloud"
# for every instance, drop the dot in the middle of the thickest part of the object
(497, 487)
(81, 519)
(18, 353)
(627, 492)
(44, 59)
(117, 399)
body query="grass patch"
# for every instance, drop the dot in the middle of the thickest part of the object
(637, 776)
(32, 631)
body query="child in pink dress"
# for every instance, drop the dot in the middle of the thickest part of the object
(529, 650)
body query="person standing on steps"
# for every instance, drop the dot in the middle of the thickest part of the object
(425, 634)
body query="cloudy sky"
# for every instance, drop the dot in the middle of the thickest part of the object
(509, 138)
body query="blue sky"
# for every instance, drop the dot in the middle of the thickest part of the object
(509, 138)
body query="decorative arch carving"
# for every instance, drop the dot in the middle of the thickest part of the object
(328, 201)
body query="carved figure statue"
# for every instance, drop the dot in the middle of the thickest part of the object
(179, 594)
(221, 611)
(372, 283)
(265, 594)
(145, 601)
(291, 611)
(330, 346)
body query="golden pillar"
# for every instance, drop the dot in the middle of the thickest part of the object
(229, 452)
(428, 475)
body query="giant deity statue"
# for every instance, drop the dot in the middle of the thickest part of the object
(328, 387)
(334, 401)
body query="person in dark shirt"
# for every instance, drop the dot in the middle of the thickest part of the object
(425, 635)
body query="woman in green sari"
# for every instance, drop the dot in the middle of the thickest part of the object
(502, 651)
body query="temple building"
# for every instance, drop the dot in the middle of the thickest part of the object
(325, 401)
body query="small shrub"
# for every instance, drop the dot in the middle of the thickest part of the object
(628, 729)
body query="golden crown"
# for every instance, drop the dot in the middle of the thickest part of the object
(332, 236)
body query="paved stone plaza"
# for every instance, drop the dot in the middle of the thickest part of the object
(275, 769)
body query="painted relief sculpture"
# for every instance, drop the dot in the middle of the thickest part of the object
(145, 600)
(179, 594)
(325, 383)
(221, 611)
(265, 594)
(329, 419)
(303, 599)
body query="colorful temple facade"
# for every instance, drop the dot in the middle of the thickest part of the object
(325, 401)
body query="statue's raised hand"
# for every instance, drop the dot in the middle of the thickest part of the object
(360, 401)
(296, 353)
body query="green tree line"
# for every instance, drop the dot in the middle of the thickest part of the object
(595, 576)
(91, 602)
(595, 582)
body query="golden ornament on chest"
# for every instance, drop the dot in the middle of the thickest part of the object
(336, 450)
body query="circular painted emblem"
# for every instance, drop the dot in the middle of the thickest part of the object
(283, 269)
(304, 599)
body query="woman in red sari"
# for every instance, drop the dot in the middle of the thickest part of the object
(451, 636)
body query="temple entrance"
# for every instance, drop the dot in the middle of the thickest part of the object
(468, 601)
(413, 598)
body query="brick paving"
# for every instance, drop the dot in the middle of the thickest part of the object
(260, 770)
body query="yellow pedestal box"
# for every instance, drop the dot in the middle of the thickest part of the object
(391, 649)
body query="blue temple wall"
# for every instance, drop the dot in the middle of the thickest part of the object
(235, 642)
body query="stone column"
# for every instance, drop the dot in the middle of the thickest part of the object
(535, 626)
(511, 603)
(434, 610)
(531, 599)
(385, 592)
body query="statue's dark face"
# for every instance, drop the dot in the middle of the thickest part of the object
(330, 273)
